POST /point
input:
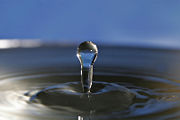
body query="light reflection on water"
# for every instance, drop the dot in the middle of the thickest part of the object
(16, 43)
(33, 43)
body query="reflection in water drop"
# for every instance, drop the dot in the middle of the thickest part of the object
(87, 54)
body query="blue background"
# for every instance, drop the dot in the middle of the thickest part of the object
(103, 21)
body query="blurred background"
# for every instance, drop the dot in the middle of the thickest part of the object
(108, 22)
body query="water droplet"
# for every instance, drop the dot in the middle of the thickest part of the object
(87, 54)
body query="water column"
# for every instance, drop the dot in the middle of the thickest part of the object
(87, 54)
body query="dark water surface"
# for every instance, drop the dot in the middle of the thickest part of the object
(129, 84)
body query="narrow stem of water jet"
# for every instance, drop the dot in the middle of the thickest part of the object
(86, 78)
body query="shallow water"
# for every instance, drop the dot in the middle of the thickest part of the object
(129, 83)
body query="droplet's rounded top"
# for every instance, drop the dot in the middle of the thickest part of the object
(89, 46)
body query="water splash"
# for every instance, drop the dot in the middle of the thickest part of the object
(87, 54)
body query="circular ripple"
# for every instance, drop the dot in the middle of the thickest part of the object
(103, 97)
(113, 96)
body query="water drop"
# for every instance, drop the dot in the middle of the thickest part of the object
(87, 54)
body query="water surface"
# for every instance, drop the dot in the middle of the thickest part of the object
(129, 83)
